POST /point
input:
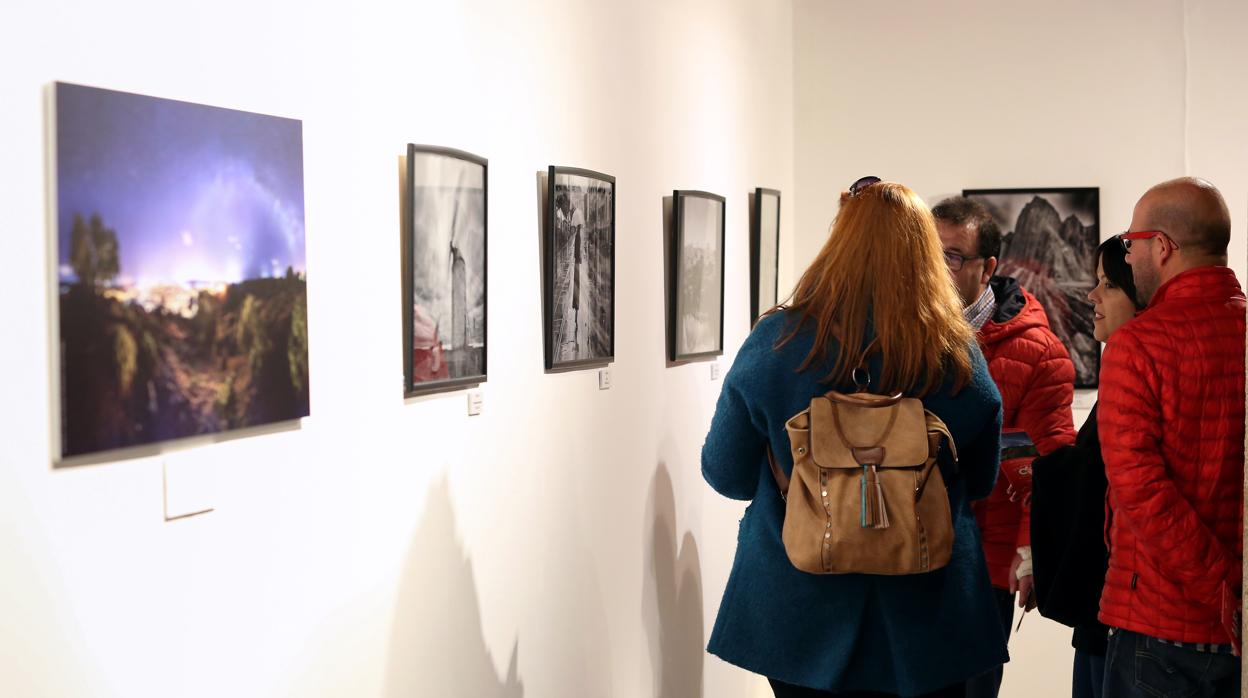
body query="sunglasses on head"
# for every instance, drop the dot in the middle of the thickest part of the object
(863, 183)
(1127, 238)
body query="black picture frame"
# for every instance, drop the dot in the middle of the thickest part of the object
(676, 321)
(551, 272)
(471, 357)
(1054, 258)
(760, 300)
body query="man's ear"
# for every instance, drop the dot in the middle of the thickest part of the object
(1166, 250)
(990, 268)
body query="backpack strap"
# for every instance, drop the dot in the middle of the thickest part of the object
(888, 428)
(936, 430)
(864, 400)
(781, 479)
(940, 429)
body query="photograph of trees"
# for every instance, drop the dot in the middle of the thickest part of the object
(580, 284)
(182, 287)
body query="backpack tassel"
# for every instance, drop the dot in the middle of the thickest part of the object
(874, 512)
(862, 490)
(881, 510)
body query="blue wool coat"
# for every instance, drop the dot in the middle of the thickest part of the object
(905, 635)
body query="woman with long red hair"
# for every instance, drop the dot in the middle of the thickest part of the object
(879, 288)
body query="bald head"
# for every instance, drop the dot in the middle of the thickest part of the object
(1192, 212)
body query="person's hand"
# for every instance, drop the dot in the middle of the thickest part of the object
(1026, 593)
(1024, 586)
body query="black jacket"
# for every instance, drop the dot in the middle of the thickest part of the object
(1068, 536)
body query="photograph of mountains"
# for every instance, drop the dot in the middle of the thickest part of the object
(181, 270)
(1048, 243)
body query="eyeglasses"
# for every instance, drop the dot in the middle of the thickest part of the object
(863, 183)
(955, 260)
(1127, 238)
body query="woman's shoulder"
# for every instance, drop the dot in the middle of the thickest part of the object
(770, 350)
(771, 325)
(771, 335)
(978, 389)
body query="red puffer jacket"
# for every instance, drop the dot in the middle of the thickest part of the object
(1036, 379)
(1171, 420)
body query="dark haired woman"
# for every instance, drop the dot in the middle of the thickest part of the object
(1068, 501)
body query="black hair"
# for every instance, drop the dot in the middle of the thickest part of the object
(960, 210)
(1113, 258)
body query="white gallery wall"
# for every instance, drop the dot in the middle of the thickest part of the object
(1119, 95)
(562, 543)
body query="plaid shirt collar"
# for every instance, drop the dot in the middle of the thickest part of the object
(979, 312)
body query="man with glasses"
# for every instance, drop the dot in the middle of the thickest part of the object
(1036, 378)
(1171, 422)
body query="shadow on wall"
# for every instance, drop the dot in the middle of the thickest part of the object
(672, 598)
(436, 646)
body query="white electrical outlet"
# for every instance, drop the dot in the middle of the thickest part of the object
(714, 370)
(476, 403)
(604, 379)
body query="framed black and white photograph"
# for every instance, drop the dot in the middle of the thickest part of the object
(696, 308)
(445, 272)
(764, 252)
(1048, 243)
(579, 269)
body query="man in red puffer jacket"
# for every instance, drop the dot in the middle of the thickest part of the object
(1036, 378)
(1171, 421)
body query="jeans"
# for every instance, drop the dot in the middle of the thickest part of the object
(1089, 675)
(1139, 666)
(988, 684)
(784, 690)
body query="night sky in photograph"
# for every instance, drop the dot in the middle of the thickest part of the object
(194, 193)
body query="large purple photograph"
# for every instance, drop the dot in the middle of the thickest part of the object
(1049, 241)
(181, 270)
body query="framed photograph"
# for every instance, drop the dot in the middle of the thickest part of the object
(445, 273)
(696, 308)
(579, 268)
(764, 253)
(181, 279)
(1048, 243)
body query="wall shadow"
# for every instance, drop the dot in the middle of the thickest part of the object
(171, 447)
(405, 287)
(437, 647)
(542, 185)
(672, 597)
(752, 259)
(668, 308)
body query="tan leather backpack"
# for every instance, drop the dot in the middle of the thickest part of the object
(866, 494)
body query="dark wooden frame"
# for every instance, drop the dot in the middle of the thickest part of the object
(756, 240)
(412, 389)
(1053, 190)
(548, 271)
(678, 211)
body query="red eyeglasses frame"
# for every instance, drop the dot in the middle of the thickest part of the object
(1126, 238)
